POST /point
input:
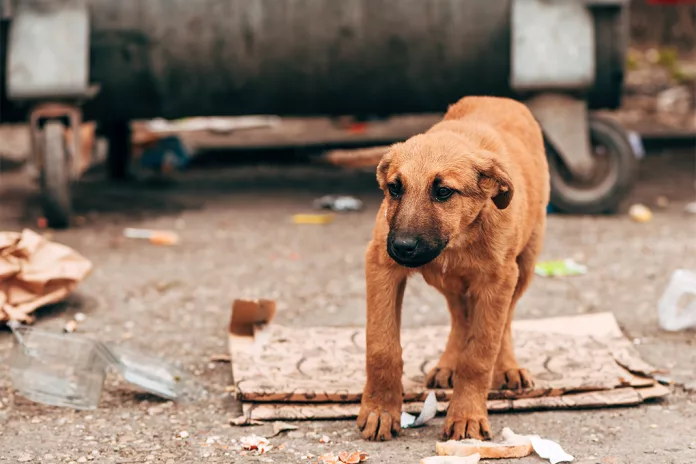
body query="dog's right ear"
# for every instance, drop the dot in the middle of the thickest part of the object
(383, 169)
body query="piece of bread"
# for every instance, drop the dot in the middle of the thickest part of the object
(473, 459)
(511, 446)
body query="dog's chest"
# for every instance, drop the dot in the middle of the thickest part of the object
(446, 281)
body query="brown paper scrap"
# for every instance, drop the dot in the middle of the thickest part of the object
(35, 272)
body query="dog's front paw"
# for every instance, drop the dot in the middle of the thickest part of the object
(440, 377)
(512, 379)
(460, 427)
(379, 422)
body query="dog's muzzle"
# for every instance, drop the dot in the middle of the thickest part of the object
(412, 250)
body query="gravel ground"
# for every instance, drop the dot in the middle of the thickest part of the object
(237, 241)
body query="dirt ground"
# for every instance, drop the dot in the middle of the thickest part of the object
(238, 241)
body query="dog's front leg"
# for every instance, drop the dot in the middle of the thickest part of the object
(467, 415)
(380, 412)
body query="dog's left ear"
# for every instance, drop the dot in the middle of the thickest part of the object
(495, 182)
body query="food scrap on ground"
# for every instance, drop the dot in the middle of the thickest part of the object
(640, 213)
(344, 457)
(510, 446)
(35, 272)
(255, 443)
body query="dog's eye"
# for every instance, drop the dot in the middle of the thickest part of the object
(443, 193)
(394, 190)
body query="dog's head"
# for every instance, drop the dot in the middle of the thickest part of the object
(436, 185)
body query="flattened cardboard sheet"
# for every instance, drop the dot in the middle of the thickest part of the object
(318, 372)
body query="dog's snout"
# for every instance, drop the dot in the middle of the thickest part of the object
(405, 246)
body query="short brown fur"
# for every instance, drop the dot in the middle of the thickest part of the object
(480, 244)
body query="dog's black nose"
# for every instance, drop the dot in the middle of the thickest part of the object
(405, 246)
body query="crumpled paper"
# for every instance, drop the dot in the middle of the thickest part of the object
(35, 272)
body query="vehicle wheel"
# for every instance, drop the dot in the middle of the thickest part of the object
(614, 173)
(55, 175)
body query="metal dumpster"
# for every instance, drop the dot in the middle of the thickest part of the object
(113, 62)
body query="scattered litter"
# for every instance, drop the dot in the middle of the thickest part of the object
(70, 326)
(473, 459)
(340, 203)
(561, 268)
(662, 202)
(427, 413)
(80, 317)
(165, 155)
(36, 272)
(212, 124)
(183, 434)
(343, 457)
(511, 446)
(352, 458)
(550, 450)
(255, 443)
(636, 142)
(690, 208)
(312, 218)
(677, 306)
(69, 370)
(640, 213)
(325, 439)
(280, 427)
(244, 421)
(156, 237)
(221, 358)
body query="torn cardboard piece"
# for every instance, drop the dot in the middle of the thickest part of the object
(578, 362)
(35, 272)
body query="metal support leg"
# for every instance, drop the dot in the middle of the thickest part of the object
(564, 120)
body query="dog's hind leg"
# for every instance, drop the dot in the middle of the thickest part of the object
(508, 374)
(441, 375)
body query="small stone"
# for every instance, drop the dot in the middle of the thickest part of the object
(183, 434)
(48, 457)
(653, 426)
(82, 459)
(80, 317)
(25, 457)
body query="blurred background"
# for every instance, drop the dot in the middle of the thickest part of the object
(217, 129)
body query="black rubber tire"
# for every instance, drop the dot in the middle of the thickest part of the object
(614, 177)
(55, 176)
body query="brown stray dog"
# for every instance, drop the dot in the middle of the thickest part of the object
(465, 205)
